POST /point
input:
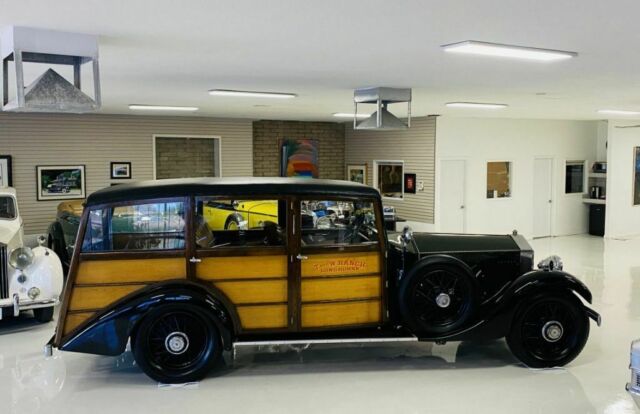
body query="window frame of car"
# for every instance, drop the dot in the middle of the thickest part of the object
(380, 245)
(15, 207)
(85, 222)
(241, 250)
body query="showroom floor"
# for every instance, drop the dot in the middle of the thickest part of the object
(405, 378)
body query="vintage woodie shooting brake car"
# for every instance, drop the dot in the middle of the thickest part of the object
(155, 265)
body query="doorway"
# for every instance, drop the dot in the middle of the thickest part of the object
(453, 190)
(542, 197)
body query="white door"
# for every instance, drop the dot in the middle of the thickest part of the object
(542, 197)
(452, 193)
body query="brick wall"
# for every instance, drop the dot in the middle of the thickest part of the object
(331, 146)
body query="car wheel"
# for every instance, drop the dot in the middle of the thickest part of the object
(437, 298)
(43, 315)
(177, 344)
(233, 223)
(548, 331)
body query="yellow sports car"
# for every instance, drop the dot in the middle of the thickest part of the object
(240, 214)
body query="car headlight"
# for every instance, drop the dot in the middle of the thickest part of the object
(21, 258)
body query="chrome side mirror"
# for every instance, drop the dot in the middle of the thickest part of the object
(407, 235)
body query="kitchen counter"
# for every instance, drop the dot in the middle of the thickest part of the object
(601, 201)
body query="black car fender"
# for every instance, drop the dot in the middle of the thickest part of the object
(55, 235)
(108, 332)
(541, 282)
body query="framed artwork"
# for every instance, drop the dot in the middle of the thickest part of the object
(120, 170)
(6, 171)
(299, 158)
(357, 173)
(388, 177)
(636, 176)
(410, 183)
(60, 182)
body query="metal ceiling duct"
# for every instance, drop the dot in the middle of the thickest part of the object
(50, 92)
(382, 119)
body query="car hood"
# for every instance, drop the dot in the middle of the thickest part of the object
(11, 233)
(452, 243)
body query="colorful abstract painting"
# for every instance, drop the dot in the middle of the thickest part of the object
(299, 158)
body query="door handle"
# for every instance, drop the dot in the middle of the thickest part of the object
(301, 257)
(195, 260)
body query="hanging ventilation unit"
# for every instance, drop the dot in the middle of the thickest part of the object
(381, 97)
(50, 92)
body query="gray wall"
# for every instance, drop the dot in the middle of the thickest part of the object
(415, 146)
(96, 140)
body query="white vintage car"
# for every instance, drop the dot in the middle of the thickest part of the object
(30, 278)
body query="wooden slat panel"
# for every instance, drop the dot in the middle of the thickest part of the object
(261, 317)
(340, 288)
(98, 297)
(416, 146)
(74, 320)
(242, 267)
(343, 313)
(96, 139)
(131, 270)
(255, 291)
(341, 264)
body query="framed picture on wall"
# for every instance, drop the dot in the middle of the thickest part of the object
(388, 178)
(120, 170)
(60, 182)
(299, 158)
(357, 173)
(410, 183)
(636, 176)
(6, 173)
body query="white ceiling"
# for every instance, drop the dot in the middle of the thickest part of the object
(167, 52)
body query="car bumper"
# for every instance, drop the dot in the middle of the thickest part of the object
(16, 305)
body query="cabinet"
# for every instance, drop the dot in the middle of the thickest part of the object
(596, 219)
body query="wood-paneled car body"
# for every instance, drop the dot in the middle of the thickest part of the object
(183, 287)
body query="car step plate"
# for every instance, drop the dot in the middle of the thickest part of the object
(327, 341)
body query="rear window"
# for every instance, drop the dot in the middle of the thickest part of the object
(7, 208)
(140, 227)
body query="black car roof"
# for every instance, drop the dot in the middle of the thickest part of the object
(263, 186)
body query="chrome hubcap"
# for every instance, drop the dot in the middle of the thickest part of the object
(176, 343)
(443, 300)
(552, 331)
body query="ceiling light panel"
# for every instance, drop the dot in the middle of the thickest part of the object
(508, 51)
(618, 112)
(139, 107)
(474, 105)
(251, 94)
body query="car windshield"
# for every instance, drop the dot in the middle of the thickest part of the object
(7, 208)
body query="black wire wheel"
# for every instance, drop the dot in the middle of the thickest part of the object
(549, 331)
(437, 299)
(177, 344)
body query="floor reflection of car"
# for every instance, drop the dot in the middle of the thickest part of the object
(306, 261)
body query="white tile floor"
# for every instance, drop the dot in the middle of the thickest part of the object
(466, 377)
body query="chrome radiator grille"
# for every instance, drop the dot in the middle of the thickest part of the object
(4, 272)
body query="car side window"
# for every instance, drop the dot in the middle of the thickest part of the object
(239, 222)
(150, 226)
(330, 222)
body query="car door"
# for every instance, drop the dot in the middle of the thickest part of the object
(339, 263)
(242, 250)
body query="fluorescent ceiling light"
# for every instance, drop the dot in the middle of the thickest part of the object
(347, 115)
(136, 107)
(475, 105)
(509, 51)
(251, 94)
(617, 112)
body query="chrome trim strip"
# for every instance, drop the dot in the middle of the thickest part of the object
(326, 341)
